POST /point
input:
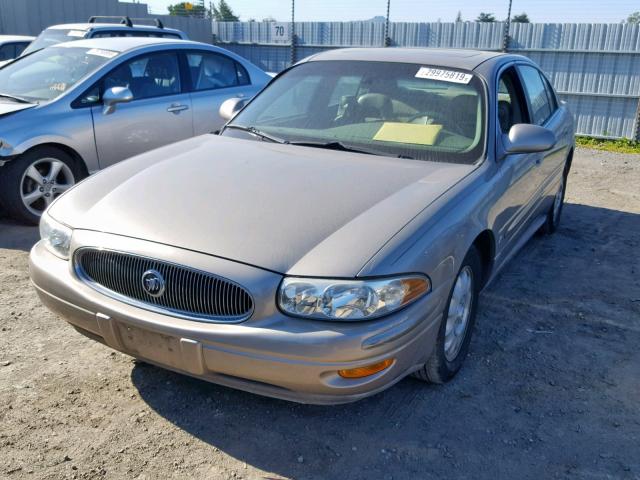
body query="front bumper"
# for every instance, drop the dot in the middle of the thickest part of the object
(269, 354)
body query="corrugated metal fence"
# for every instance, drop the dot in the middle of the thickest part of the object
(594, 67)
(30, 17)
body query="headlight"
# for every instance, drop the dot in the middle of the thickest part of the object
(348, 300)
(56, 237)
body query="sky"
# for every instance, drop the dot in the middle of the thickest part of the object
(555, 11)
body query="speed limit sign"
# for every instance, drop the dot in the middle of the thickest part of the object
(280, 32)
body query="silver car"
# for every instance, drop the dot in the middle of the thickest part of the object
(95, 28)
(71, 109)
(333, 239)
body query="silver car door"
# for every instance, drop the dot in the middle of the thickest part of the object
(517, 171)
(215, 78)
(542, 109)
(159, 114)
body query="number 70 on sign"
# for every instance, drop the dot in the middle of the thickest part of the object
(280, 32)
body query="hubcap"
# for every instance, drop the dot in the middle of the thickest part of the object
(42, 182)
(458, 314)
(557, 203)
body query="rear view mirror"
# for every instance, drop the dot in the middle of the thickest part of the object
(526, 138)
(231, 107)
(113, 96)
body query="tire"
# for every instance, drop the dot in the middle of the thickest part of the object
(445, 361)
(38, 176)
(555, 212)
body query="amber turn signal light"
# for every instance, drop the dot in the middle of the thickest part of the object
(367, 370)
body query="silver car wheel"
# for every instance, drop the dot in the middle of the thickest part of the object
(42, 182)
(459, 313)
(557, 203)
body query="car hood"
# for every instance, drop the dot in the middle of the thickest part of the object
(12, 107)
(288, 209)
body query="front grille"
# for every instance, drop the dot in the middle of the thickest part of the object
(173, 289)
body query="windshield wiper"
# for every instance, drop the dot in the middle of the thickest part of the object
(17, 99)
(259, 133)
(335, 145)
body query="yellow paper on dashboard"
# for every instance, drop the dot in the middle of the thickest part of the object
(415, 133)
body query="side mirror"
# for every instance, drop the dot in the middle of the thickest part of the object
(231, 107)
(113, 96)
(526, 138)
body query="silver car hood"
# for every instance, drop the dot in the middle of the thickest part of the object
(288, 209)
(11, 107)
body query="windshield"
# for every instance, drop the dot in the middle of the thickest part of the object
(395, 109)
(53, 36)
(49, 73)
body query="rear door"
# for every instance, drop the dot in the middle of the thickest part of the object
(160, 112)
(215, 77)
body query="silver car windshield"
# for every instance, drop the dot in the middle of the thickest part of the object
(406, 110)
(53, 36)
(47, 74)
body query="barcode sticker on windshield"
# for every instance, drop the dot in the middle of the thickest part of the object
(76, 33)
(444, 75)
(102, 53)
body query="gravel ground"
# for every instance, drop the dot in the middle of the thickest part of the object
(551, 388)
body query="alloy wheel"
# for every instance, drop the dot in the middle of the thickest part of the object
(43, 181)
(459, 313)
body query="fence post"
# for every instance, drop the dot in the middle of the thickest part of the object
(505, 38)
(387, 40)
(293, 32)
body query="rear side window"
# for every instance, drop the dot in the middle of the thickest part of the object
(7, 51)
(536, 94)
(211, 71)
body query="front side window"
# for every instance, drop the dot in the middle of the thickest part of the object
(7, 51)
(50, 72)
(392, 109)
(53, 36)
(212, 70)
(536, 94)
(153, 75)
(512, 107)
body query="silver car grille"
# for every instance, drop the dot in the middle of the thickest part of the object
(185, 293)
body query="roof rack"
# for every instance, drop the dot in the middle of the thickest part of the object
(123, 20)
(128, 21)
(157, 21)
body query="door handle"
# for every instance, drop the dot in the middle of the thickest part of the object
(175, 108)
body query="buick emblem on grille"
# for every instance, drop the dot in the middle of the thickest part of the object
(153, 283)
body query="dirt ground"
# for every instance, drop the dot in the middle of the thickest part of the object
(551, 388)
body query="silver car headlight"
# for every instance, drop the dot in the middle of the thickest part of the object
(349, 300)
(55, 236)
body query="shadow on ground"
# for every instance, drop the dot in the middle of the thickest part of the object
(550, 387)
(16, 236)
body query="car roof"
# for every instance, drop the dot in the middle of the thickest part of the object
(122, 44)
(442, 57)
(111, 26)
(15, 38)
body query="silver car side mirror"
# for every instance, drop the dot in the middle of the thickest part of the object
(113, 96)
(231, 107)
(527, 138)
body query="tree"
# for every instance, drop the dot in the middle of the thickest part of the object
(459, 17)
(634, 18)
(522, 18)
(223, 12)
(485, 17)
(187, 9)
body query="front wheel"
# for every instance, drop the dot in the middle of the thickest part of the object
(457, 323)
(32, 181)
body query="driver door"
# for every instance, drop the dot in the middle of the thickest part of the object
(159, 114)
